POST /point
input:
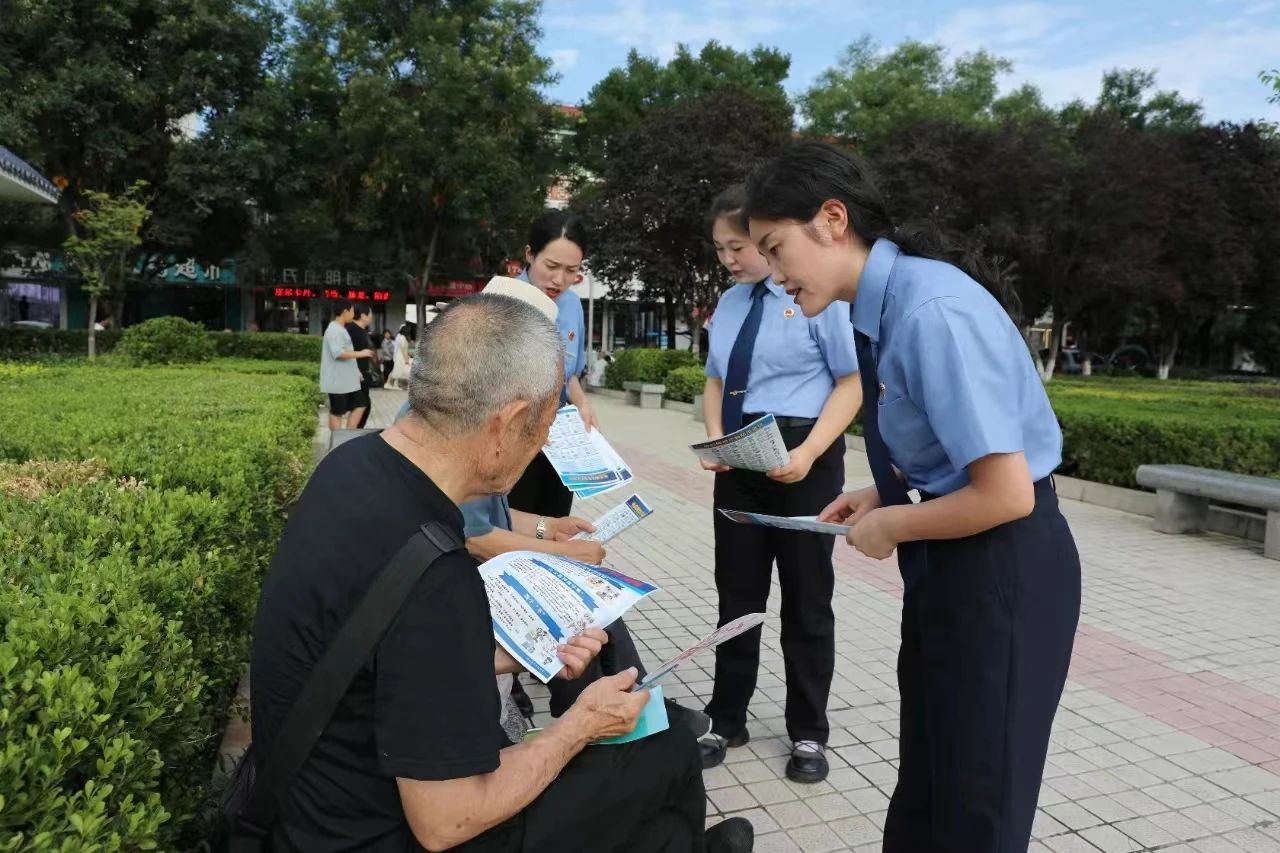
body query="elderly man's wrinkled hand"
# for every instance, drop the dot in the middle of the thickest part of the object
(579, 652)
(608, 708)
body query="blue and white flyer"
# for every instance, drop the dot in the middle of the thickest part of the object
(539, 602)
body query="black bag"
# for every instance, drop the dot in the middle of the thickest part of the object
(251, 801)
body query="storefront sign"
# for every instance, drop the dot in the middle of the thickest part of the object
(190, 272)
(353, 294)
(456, 287)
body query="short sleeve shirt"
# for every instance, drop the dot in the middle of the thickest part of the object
(796, 360)
(956, 378)
(337, 376)
(402, 716)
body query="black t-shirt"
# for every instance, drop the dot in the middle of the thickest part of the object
(360, 340)
(426, 707)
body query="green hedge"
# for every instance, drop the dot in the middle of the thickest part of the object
(130, 582)
(73, 343)
(1111, 426)
(165, 340)
(24, 343)
(646, 365)
(684, 383)
(267, 346)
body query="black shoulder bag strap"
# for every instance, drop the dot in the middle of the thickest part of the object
(329, 681)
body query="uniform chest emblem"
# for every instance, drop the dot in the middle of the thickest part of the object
(788, 313)
(572, 336)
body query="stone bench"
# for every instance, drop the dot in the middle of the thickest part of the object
(646, 395)
(1183, 494)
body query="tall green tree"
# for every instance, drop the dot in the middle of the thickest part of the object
(419, 131)
(627, 94)
(867, 97)
(648, 211)
(95, 92)
(109, 231)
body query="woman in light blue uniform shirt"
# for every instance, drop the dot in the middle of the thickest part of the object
(553, 257)
(766, 358)
(956, 411)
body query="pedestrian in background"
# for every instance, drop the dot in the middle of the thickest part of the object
(387, 355)
(339, 373)
(358, 328)
(403, 357)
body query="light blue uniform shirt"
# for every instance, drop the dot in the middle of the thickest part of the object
(796, 360)
(572, 326)
(956, 378)
(480, 516)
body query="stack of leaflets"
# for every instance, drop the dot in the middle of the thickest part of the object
(586, 462)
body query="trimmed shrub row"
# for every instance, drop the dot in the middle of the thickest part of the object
(646, 365)
(73, 343)
(131, 574)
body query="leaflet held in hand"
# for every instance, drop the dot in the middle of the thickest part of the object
(805, 523)
(626, 514)
(758, 446)
(726, 632)
(540, 601)
(586, 462)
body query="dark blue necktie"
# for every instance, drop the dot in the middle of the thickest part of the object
(735, 379)
(912, 559)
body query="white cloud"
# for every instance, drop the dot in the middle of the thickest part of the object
(1065, 52)
(655, 28)
(565, 58)
(1015, 31)
(1216, 65)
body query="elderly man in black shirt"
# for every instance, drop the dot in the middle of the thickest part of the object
(415, 756)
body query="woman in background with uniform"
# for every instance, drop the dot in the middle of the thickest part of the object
(765, 358)
(956, 410)
(553, 264)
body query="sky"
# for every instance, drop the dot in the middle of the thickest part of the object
(1208, 50)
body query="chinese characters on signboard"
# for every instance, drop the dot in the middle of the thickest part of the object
(355, 295)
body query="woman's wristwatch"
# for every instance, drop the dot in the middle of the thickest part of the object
(543, 527)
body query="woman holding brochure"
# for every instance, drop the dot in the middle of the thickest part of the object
(553, 258)
(766, 358)
(989, 565)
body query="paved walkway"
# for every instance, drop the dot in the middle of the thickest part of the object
(1169, 733)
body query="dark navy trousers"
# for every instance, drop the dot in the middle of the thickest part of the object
(986, 643)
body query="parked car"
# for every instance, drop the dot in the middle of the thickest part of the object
(31, 324)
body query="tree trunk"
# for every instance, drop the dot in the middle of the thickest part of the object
(671, 322)
(426, 276)
(93, 321)
(1168, 352)
(1055, 346)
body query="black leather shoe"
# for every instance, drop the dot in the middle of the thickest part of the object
(733, 835)
(715, 746)
(808, 763)
(695, 721)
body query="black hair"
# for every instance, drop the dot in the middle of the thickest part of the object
(796, 183)
(730, 204)
(361, 310)
(554, 224)
(340, 305)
